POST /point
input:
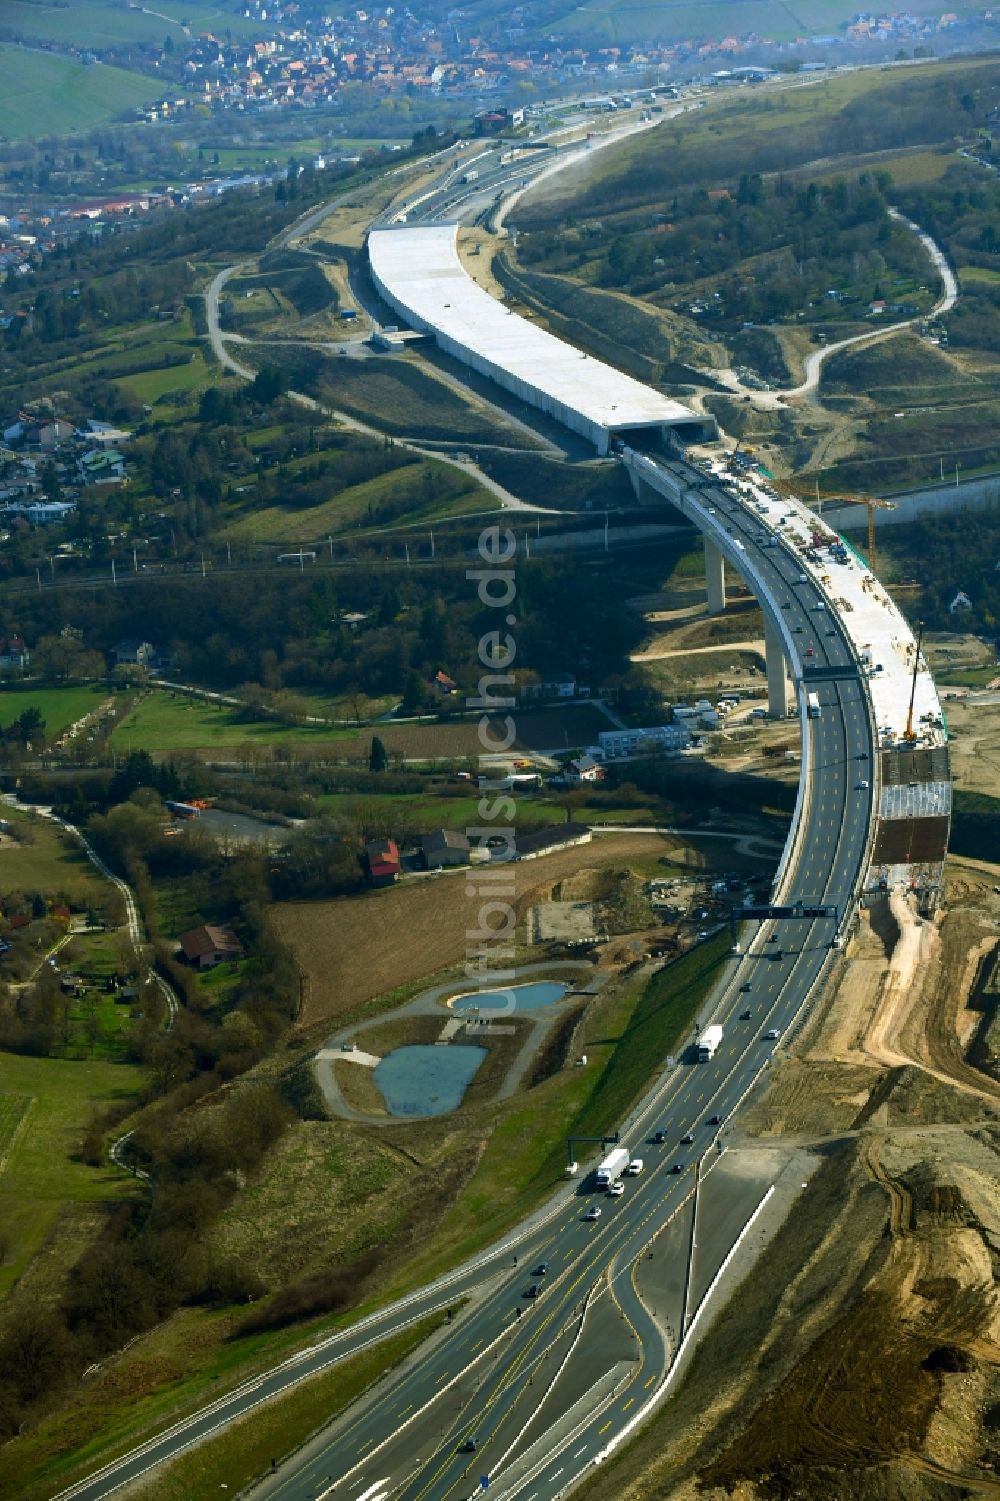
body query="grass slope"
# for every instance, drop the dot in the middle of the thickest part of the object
(39, 1178)
(49, 861)
(66, 95)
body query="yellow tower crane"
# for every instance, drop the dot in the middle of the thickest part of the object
(873, 504)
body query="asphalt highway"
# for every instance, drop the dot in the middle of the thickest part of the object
(529, 1391)
(491, 1379)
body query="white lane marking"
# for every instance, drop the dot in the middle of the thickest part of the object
(580, 1451)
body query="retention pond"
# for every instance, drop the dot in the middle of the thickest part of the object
(426, 1080)
(506, 1002)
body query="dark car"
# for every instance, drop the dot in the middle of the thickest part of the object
(687, 1138)
(745, 1016)
(659, 1137)
(540, 1269)
(470, 1446)
(533, 1290)
(745, 987)
(715, 1120)
(678, 1167)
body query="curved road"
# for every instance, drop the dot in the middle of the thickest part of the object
(481, 1380)
(767, 400)
(546, 1386)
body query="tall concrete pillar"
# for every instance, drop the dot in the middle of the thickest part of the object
(644, 492)
(715, 579)
(777, 677)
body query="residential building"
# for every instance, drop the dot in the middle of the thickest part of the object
(131, 652)
(209, 945)
(13, 654)
(583, 769)
(647, 741)
(383, 861)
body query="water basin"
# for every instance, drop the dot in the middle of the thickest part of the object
(499, 1002)
(426, 1080)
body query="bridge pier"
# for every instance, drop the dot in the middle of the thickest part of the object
(644, 492)
(777, 676)
(715, 578)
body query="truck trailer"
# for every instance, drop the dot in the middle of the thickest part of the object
(612, 1167)
(708, 1043)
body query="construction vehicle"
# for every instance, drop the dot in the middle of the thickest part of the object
(873, 504)
(910, 734)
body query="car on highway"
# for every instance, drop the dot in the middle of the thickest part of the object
(715, 1120)
(819, 605)
(634, 1168)
(862, 786)
(470, 1446)
(593, 1213)
(687, 1138)
(810, 651)
(533, 1290)
(659, 1137)
(540, 1269)
(772, 1034)
(797, 629)
(786, 604)
(678, 1167)
(745, 1016)
(745, 987)
(616, 1190)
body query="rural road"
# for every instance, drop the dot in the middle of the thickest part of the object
(221, 341)
(770, 400)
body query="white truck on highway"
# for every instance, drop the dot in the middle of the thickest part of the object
(708, 1043)
(612, 1167)
(471, 176)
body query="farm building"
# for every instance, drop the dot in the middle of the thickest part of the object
(445, 847)
(547, 841)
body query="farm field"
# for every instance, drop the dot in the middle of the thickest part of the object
(59, 707)
(419, 812)
(65, 94)
(426, 925)
(103, 23)
(546, 730)
(167, 722)
(39, 1178)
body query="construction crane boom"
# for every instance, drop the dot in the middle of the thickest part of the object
(910, 734)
